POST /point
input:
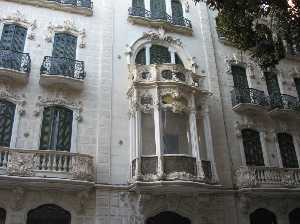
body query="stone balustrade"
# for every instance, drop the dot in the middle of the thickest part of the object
(165, 74)
(46, 164)
(248, 177)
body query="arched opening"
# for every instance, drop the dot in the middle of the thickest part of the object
(294, 216)
(49, 214)
(262, 216)
(168, 218)
(287, 150)
(2, 216)
(252, 148)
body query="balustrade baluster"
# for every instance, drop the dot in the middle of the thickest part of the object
(4, 161)
(43, 158)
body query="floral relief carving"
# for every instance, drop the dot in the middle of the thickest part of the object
(20, 164)
(19, 18)
(68, 27)
(154, 36)
(82, 168)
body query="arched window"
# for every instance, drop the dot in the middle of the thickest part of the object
(252, 148)
(158, 9)
(7, 114)
(2, 216)
(177, 12)
(49, 214)
(262, 216)
(56, 130)
(141, 57)
(287, 150)
(168, 218)
(294, 216)
(159, 55)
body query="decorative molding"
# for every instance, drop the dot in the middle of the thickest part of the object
(67, 27)
(161, 35)
(83, 199)
(20, 164)
(82, 168)
(18, 196)
(20, 19)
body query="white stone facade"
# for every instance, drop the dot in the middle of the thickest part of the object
(106, 180)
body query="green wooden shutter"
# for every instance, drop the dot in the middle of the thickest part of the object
(141, 57)
(64, 133)
(177, 12)
(158, 9)
(7, 114)
(178, 60)
(13, 38)
(46, 132)
(287, 150)
(273, 89)
(239, 77)
(138, 3)
(64, 46)
(159, 55)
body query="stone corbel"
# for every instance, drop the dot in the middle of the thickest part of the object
(68, 27)
(19, 18)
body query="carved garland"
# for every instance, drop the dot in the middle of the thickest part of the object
(19, 18)
(75, 107)
(68, 27)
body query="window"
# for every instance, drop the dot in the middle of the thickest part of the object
(13, 38)
(177, 12)
(158, 9)
(63, 54)
(2, 216)
(176, 133)
(148, 134)
(159, 55)
(141, 57)
(49, 214)
(287, 150)
(7, 114)
(252, 147)
(239, 77)
(56, 130)
(273, 89)
(138, 3)
(294, 216)
(262, 216)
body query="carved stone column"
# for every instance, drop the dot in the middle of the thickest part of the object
(158, 136)
(147, 47)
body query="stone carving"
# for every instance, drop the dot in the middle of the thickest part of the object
(146, 103)
(68, 27)
(59, 100)
(18, 195)
(154, 36)
(83, 198)
(20, 19)
(82, 168)
(20, 164)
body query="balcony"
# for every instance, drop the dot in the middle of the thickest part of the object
(249, 100)
(170, 171)
(62, 71)
(72, 170)
(14, 66)
(84, 7)
(281, 104)
(165, 74)
(142, 16)
(267, 177)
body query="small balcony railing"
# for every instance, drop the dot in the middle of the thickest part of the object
(65, 67)
(75, 3)
(285, 102)
(175, 167)
(253, 176)
(46, 164)
(293, 50)
(160, 15)
(16, 61)
(249, 96)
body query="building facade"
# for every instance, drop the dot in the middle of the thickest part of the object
(138, 111)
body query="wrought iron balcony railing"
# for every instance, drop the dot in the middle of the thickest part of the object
(63, 67)
(293, 50)
(14, 60)
(249, 96)
(285, 102)
(257, 176)
(160, 15)
(75, 3)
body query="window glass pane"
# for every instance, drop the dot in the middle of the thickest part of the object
(148, 134)
(141, 57)
(252, 147)
(287, 150)
(7, 114)
(176, 133)
(159, 55)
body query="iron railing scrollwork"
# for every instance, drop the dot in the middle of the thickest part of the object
(15, 60)
(161, 15)
(284, 101)
(64, 67)
(250, 96)
(75, 3)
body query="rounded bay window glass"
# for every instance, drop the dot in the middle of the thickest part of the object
(148, 134)
(176, 133)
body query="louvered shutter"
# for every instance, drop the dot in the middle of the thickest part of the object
(273, 89)
(141, 57)
(46, 132)
(158, 9)
(64, 129)
(287, 151)
(13, 38)
(138, 3)
(159, 55)
(177, 12)
(7, 114)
